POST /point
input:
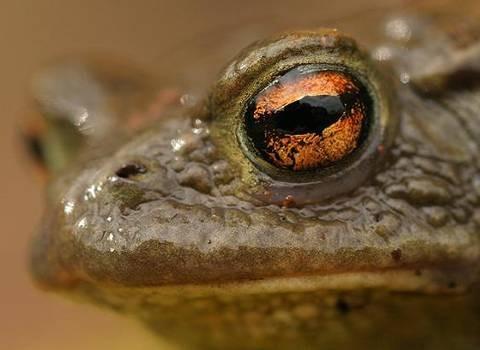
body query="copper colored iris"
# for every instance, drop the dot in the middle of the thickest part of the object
(308, 120)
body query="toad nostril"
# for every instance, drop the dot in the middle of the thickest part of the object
(129, 170)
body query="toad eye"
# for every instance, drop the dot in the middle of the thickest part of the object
(308, 119)
(303, 115)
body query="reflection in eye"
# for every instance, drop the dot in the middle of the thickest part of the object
(308, 119)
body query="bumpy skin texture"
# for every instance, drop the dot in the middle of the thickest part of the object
(197, 245)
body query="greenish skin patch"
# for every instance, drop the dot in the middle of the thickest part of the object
(380, 251)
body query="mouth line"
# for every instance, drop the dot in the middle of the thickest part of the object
(429, 282)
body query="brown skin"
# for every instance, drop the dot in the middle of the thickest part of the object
(187, 229)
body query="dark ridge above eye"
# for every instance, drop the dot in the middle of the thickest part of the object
(310, 114)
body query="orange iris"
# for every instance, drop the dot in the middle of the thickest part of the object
(308, 120)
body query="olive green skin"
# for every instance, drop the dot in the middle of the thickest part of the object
(213, 250)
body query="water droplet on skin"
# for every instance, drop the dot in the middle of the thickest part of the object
(199, 127)
(177, 144)
(109, 219)
(81, 117)
(92, 191)
(398, 29)
(289, 201)
(405, 77)
(68, 207)
(82, 223)
(110, 237)
(198, 123)
(383, 53)
(113, 179)
(112, 250)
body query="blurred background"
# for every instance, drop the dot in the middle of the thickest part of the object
(185, 44)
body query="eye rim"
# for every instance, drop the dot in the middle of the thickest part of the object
(306, 176)
(256, 67)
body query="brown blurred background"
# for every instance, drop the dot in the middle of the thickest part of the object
(184, 43)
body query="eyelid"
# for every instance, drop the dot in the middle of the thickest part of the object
(254, 59)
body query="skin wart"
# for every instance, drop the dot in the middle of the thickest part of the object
(173, 222)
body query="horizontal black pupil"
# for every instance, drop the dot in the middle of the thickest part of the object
(310, 114)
